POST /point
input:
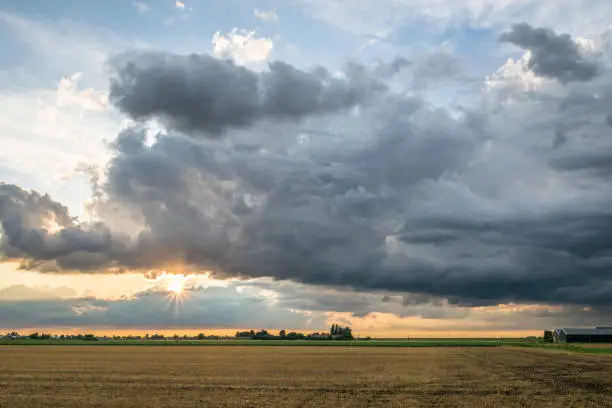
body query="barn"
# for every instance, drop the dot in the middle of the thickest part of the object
(592, 335)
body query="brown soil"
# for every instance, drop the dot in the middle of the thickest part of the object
(125, 376)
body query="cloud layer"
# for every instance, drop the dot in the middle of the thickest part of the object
(264, 304)
(242, 46)
(204, 308)
(200, 93)
(552, 55)
(343, 181)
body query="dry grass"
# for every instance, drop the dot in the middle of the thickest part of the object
(47, 376)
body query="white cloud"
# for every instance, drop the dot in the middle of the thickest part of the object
(515, 75)
(242, 46)
(180, 4)
(68, 93)
(266, 15)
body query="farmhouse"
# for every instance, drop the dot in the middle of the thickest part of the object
(596, 335)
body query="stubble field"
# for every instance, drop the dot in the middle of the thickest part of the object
(126, 376)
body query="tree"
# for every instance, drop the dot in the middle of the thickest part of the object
(201, 336)
(283, 334)
(347, 333)
(34, 336)
(548, 336)
(263, 335)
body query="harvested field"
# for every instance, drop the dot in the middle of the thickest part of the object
(247, 376)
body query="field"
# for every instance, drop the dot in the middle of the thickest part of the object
(131, 376)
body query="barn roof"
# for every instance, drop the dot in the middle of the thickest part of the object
(588, 332)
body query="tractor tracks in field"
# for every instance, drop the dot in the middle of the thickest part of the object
(547, 372)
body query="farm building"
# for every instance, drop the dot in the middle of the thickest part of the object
(596, 335)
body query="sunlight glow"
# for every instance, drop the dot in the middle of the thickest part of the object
(52, 227)
(176, 286)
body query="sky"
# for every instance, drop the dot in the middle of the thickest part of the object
(410, 168)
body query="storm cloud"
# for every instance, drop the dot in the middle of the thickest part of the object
(552, 55)
(478, 205)
(199, 93)
(40, 231)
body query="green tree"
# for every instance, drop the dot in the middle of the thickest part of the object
(548, 336)
(347, 333)
(283, 334)
(201, 336)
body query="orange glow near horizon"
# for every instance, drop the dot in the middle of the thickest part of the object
(231, 331)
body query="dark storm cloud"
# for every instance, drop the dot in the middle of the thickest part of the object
(567, 251)
(359, 304)
(324, 225)
(29, 223)
(199, 93)
(598, 163)
(552, 55)
(478, 207)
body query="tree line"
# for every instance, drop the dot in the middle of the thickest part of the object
(48, 336)
(336, 332)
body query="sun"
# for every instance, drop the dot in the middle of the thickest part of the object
(176, 286)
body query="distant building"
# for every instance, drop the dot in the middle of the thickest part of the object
(596, 335)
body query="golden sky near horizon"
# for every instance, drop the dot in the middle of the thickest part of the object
(113, 287)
